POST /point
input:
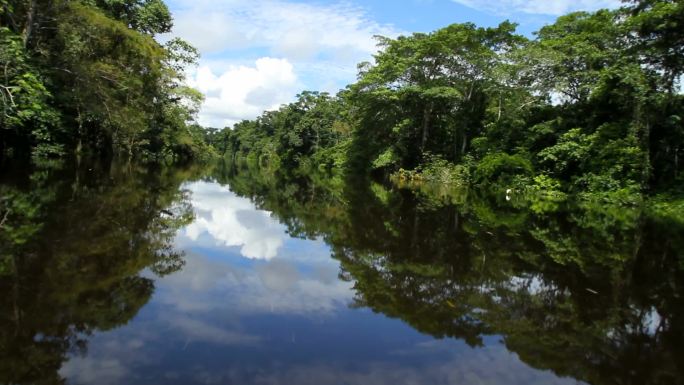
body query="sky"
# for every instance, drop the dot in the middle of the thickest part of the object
(259, 54)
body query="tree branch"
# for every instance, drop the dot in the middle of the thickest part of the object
(4, 219)
(8, 90)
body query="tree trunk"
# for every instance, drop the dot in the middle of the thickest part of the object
(500, 102)
(312, 197)
(427, 115)
(647, 146)
(676, 162)
(79, 120)
(28, 28)
(470, 91)
(464, 143)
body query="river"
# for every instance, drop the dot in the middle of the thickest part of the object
(128, 274)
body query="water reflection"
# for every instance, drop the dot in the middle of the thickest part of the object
(71, 249)
(143, 276)
(590, 292)
(228, 220)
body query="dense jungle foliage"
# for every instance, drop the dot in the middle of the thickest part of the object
(591, 106)
(88, 76)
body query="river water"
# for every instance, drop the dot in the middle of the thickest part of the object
(126, 274)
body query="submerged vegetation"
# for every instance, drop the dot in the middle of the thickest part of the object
(591, 106)
(88, 77)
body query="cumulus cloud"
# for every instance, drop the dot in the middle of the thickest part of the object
(278, 286)
(291, 46)
(546, 7)
(296, 31)
(243, 92)
(233, 221)
(285, 276)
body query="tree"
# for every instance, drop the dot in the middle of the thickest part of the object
(439, 85)
(660, 27)
(92, 79)
(147, 16)
(588, 107)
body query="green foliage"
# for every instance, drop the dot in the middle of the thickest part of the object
(87, 76)
(668, 207)
(437, 170)
(386, 159)
(564, 157)
(660, 28)
(501, 168)
(570, 54)
(585, 108)
(311, 133)
(146, 16)
(430, 92)
(24, 101)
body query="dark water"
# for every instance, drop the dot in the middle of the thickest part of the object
(121, 274)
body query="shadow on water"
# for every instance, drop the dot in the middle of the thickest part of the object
(589, 291)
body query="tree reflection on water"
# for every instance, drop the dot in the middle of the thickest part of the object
(72, 249)
(587, 290)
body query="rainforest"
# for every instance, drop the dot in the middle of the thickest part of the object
(480, 206)
(591, 105)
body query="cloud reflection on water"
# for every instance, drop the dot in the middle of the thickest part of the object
(233, 221)
(276, 286)
(253, 305)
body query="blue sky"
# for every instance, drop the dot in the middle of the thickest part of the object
(258, 54)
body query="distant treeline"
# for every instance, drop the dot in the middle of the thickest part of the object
(87, 76)
(591, 105)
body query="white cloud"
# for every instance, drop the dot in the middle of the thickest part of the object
(243, 92)
(295, 31)
(275, 284)
(233, 221)
(397, 359)
(198, 330)
(317, 46)
(291, 276)
(278, 286)
(538, 7)
(88, 370)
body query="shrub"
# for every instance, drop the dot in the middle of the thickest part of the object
(502, 168)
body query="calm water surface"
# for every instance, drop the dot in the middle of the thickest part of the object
(120, 274)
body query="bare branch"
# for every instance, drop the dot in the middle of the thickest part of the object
(8, 91)
(4, 219)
